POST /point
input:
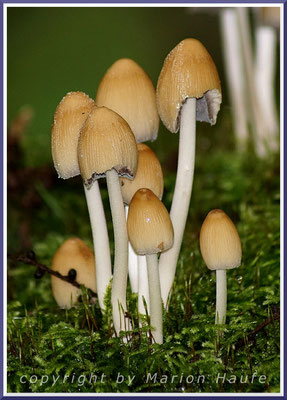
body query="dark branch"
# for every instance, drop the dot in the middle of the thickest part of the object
(31, 260)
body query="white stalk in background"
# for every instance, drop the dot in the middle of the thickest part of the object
(182, 194)
(133, 263)
(119, 285)
(265, 69)
(143, 290)
(234, 73)
(259, 127)
(100, 239)
(221, 296)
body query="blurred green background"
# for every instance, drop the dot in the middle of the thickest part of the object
(52, 51)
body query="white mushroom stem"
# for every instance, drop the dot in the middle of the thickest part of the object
(155, 298)
(120, 275)
(221, 296)
(133, 263)
(143, 289)
(234, 73)
(257, 118)
(265, 68)
(181, 196)
(100, 239)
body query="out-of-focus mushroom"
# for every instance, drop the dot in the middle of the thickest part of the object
(74, 259)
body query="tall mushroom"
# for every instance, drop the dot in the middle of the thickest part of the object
(188, 89)
(221, 250)
(72, 256)
(126, 89)
(149, 175)
(107, 148)
(150, 232)
(69, 117)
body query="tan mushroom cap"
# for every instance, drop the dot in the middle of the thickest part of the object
(149, 226)
(149, 175)
(188, 72)
(219, 241)
(69, 117)
(106, 142)
(126, 89)
(73, 254)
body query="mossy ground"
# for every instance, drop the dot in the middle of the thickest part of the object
(44, 340)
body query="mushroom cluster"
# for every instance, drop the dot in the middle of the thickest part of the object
(103, 139)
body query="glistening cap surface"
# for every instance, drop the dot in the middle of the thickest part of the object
(188, 72)
(149, 175)
(127, 90)
(73, 254)
(149, 226)
(106, 142)
(219, 242)
(69, 117)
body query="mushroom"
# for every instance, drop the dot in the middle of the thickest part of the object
(107, 148)
(74, 259)
(69, 117)
(188, 89)
(150, 232)
(149, 175)
(126, 89)
(266, 40)
(221, 250)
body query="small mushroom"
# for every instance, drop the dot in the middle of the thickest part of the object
(149, 175)
(221, 250)
(73, 255)
(69, 117)
(107, 148)
(150, 232)
(188, 89)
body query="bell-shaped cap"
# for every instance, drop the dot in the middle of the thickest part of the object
(188, 72)
(106, 142)
(69, 117)
(219, 241)
(126, 89)
(73, 254)
(149, 175)
(149, 226)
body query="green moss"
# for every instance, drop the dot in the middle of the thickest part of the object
(44, 340)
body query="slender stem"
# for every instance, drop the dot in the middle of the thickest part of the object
(221, 296)
(234, 73)
(155, 298)
(143, 285)
(133, 263)
(181, 196)
(265, 39)
(100, 239)
(119, 285)
(259, 127)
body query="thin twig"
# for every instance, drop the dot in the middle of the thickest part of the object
(31, 261)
